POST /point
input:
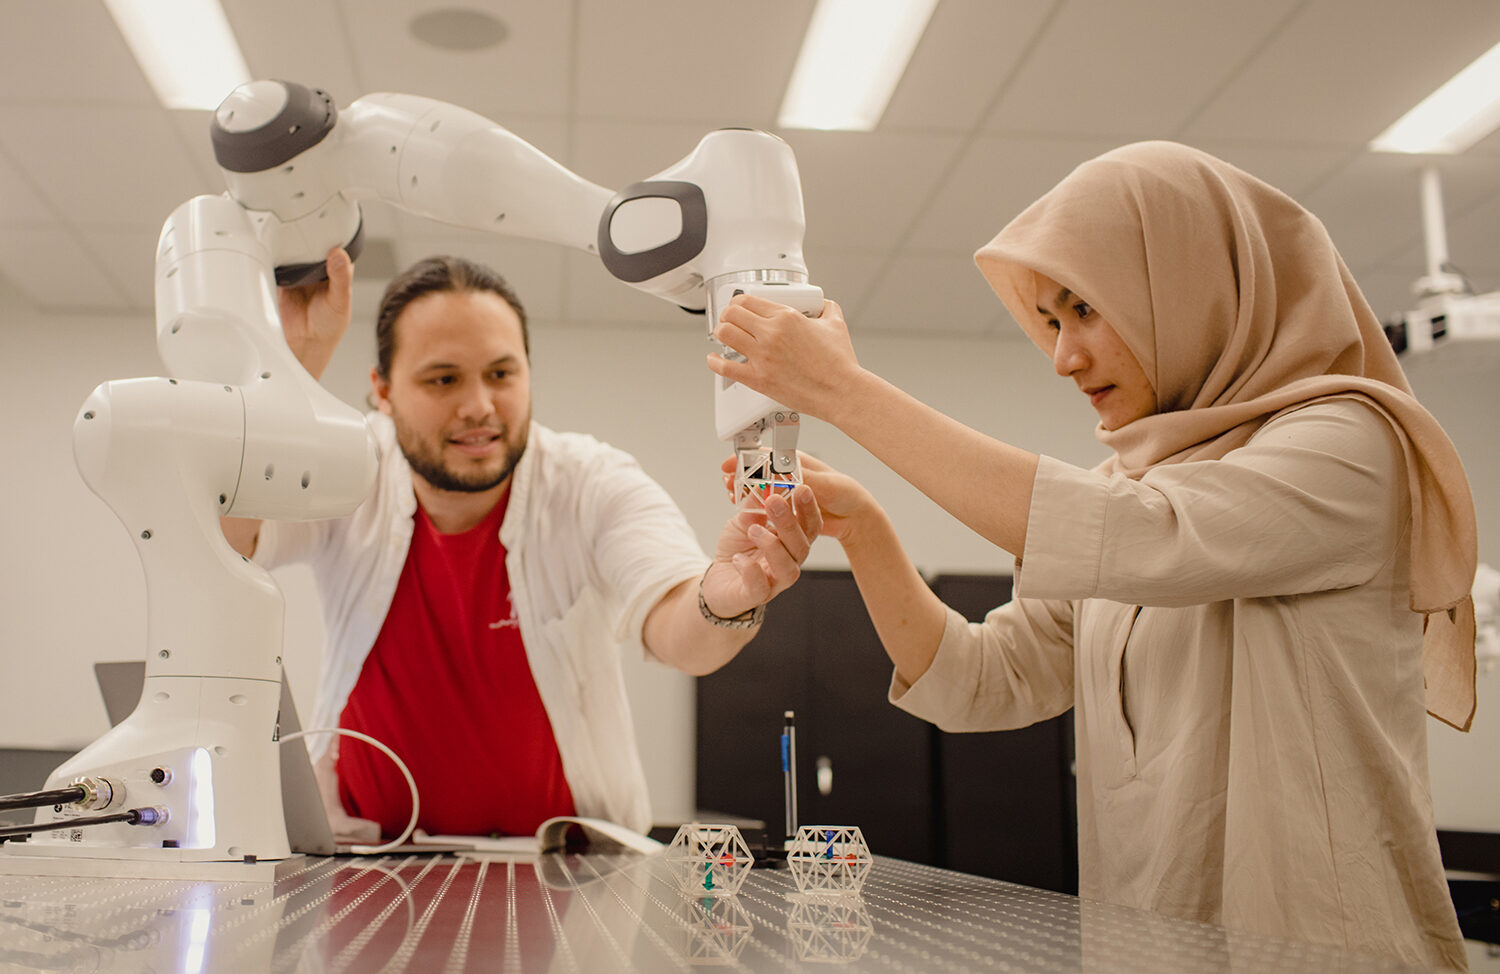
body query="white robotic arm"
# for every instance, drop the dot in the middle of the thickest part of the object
(240, 428)
(726, 218)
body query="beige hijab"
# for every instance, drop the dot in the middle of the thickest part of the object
(1237, 306)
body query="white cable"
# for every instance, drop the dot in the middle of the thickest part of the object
(411, 783)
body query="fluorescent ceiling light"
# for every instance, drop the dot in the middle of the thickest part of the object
(185, 47)
(852, 57)
(1460, 113)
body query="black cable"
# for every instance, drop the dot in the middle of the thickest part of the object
(39, 799)
(133, 816)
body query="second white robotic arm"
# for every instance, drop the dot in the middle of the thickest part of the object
(727, 218)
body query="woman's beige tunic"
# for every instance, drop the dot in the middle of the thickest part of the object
(1236, 638)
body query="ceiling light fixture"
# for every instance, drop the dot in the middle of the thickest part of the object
(185, 48)
(1463, 111)
(853, 55)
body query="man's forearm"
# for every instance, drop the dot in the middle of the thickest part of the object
(678, 635)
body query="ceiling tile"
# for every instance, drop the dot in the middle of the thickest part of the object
(106, 166)
(846, 276)
(1130, 70)
(12, 299)
(1293, 169)
(296, 40)
(130, 258)
(1343, 70)
(19, 200)
(529, 73)
(1473, 241)
(708, 61)
(67, 51)
(970, 48)
(193, 129)
(931, 295)
(1372, 207)
(56, 272)
(1487, 146)
(615, 154)
(865, 190)
(996, 179)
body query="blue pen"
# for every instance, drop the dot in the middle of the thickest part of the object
(789, 773)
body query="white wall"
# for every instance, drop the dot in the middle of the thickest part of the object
(73, 588)
(1461, 386)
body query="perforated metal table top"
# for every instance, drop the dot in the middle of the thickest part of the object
(596, 913)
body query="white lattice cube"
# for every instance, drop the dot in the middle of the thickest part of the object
(709, 860)
(829, 859)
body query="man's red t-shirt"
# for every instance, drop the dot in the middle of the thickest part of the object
(447, 686)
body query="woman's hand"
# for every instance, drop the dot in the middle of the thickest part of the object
(806, 364)
(841, 500)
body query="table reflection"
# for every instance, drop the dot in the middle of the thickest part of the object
(829, 929)
(449, 914)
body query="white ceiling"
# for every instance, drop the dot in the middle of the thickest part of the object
(1001, 99)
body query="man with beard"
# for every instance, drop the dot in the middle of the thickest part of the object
(478, 602)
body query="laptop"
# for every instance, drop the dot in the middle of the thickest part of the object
(307, 826)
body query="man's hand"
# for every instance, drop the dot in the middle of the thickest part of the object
(346, 828)
(314, 317)
(761, 551)
(759, 555)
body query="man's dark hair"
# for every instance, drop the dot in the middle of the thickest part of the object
(427, 276)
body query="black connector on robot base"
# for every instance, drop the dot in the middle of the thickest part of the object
(133, 816)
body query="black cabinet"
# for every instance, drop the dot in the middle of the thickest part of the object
(997, 804)
(1007, 800)
(817, 655)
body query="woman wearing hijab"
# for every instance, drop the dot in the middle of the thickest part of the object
(1250, 605)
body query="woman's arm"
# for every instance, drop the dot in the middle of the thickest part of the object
(1011, 670)
(1314, 502)
(808, 364)
(908, 617)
